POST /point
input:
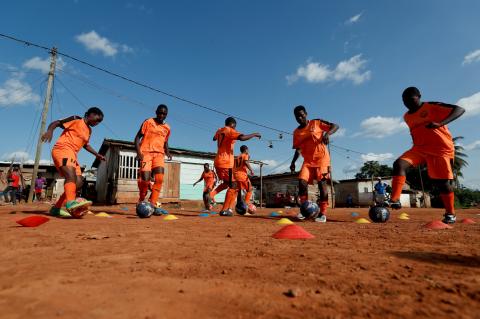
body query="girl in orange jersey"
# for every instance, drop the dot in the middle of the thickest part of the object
(210, 179)
(432, 145)
(310, 139)
(151, 143)
(75, 136)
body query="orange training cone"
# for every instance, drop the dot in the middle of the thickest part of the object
(292, 232)
(436, 224)
(468, 221)
(33, 221)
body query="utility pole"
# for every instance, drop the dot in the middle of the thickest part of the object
(46, 104)
(332, 187)
(424, 204)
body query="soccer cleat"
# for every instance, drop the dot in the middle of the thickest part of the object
(58, 212)
(321, 218)
(226, 213)
(300, 216)
(160, 211)
(449, 218)
(392, 204)
(74, 205)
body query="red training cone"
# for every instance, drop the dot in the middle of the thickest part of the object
(33, 221)
(292, 232)
(468, 221)
(437, 224)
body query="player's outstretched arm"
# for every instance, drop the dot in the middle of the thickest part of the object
(90, 149)
(199, 180)
(295, 157)
(456, 112)
(246, 137)
(47, 136)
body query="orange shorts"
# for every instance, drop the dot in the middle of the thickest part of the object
(310, 174)
(151, 161)
(225, 174)
(438, 167)
(65, 157)
(242, 180)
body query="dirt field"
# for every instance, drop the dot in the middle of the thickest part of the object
(216, 267)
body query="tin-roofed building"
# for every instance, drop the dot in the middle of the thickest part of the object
(117, 177)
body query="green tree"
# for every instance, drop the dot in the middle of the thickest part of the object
(459, 161)
(374, 169)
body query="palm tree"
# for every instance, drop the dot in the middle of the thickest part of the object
(459, 161)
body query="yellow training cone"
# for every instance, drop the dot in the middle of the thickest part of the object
(103, 214)
(404, 214)
(362, 221)
(170, 217)
(285, 221)
(404, 217)
(280, 212)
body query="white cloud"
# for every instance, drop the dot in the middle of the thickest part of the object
(275, 167)
(16, 92)
(352, 69)
(472, 146)
(379, 126)
(351, 169)
(472, 57)
(354, 19)
(471, 104)
(341, 132)
(42, 65)
(22, 157)
(382, 157)
(93, 42)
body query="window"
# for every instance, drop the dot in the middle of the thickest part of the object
(127, 165)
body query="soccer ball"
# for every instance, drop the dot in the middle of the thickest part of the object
(309, 209)
(241, 208)
(252, 209)
(80, 211)
(145, 209)
(378, 214)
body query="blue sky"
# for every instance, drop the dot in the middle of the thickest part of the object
(347, 62)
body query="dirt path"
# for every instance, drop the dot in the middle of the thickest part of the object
(215, 267)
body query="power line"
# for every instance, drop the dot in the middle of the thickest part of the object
(138, 83)
(149, 87)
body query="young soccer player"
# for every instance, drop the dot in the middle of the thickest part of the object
(151, 143)
(224, 161)
(39, 183)
(240, 173)
(13, 183)
(76, 134)
(210, 178)
(310, 139)
(432, 145)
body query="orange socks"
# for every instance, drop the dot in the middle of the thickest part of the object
(397, 185)
(248, 196)
(448, 202)
(157, 187)
(61, 201)
(323, 207)
(143, 189)
(230, 199)
(70, 191)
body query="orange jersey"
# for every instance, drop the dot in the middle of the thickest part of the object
(308, 141)
(209, 178)
(226, 138)
(76, 134)
(438, 141)
(154, 136)
(241, 163)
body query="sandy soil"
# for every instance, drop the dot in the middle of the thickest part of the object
(216, 267)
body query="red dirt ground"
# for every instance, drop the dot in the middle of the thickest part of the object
(216, 267)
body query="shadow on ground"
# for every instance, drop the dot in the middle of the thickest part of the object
(439, 258)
